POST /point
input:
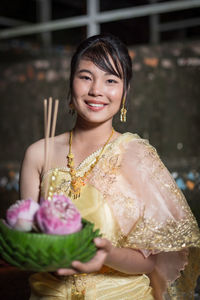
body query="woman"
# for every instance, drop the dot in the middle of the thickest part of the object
(119, 184)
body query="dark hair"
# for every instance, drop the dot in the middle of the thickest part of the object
(100, 49)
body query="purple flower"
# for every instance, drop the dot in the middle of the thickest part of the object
(20, 215)
(58, 216)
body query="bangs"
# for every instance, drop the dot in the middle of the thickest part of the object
(102, 56)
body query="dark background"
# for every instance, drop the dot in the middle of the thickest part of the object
(131, 31)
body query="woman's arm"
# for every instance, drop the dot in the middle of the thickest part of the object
(125, 260)
(130, 261)
(30, 172)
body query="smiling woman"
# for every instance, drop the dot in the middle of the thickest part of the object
(117, 182)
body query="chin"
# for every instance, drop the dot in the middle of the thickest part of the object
(95, 120)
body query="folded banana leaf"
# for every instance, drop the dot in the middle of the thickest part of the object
(46, 252)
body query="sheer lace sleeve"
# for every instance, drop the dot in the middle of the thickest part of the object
(166, 222)
(152, 214)
(166, 226)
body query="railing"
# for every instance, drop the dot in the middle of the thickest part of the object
(94, 18)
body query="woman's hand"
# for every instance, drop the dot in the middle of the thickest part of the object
(95, 264)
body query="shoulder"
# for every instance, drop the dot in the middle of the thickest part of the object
(140, 157)
(137, 147)
(38, 148)
(36, 151)
(133, 140)
(34, 155)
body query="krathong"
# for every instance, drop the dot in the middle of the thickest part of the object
(57, 235)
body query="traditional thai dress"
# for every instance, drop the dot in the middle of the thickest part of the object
(132, 198)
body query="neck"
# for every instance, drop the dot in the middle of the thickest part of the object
(96, 134)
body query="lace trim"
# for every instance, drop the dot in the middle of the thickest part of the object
(168, 236)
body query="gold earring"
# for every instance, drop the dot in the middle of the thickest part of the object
(123, 111)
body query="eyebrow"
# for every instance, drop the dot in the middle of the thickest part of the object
(88, 71)
(84, 70)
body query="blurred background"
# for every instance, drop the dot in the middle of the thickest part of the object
(37, 40)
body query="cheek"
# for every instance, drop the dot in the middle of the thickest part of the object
(116, 94)
(78, 88)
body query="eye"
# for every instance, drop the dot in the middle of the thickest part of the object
(111, 81)
(85, 77)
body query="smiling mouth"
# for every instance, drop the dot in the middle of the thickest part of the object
(95, 105)
(92, 104)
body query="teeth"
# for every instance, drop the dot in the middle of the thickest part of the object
(95, 105)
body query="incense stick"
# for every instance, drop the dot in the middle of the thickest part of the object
(47, 120)
(54, 118)
(47, 127)
(45, 133)
(45, 116)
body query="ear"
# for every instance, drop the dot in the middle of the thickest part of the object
(125, 95)
(71, 102)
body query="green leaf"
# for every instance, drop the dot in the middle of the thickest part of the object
(44, 252)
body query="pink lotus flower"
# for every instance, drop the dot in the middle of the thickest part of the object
(58, 216)
(20, 215)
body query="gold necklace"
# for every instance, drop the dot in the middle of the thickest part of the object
(77, 182)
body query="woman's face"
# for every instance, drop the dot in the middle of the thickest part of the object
(96, 95)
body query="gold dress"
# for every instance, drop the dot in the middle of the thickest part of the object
(132, 198)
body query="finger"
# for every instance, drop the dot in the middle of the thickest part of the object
(103, 244)
(99, 257)
(66, 272)
(93, 265)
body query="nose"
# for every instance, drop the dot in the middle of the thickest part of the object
(95, 89)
